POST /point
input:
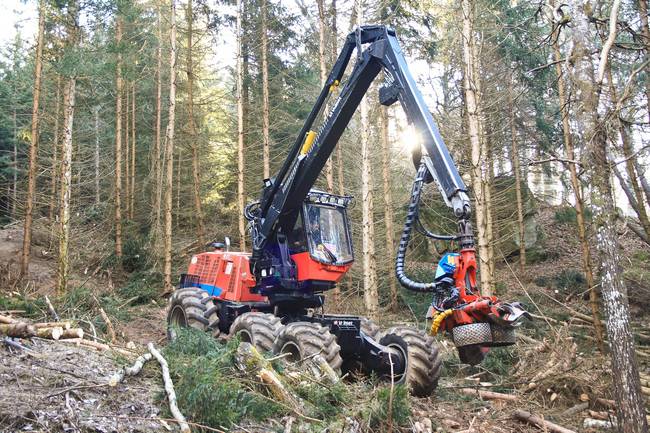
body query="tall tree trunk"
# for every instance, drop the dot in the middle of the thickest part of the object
(628, 154)
(33, 145)
(66, 156)
(196, 169)
(14, 165)
(169, 152)
(177, 213)
(627, 389)
(577, 193)
(133, 149)
(156, 160)
(370, 294)
(265, 94)
(119, 89)
(127, 154)
(388, 205)
(97, 192)
(55, 165)
(334, 55)
(645, 32)
(240, 130)
(478, 147)
(322, 60)
(516, 168)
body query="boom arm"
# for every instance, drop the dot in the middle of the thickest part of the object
(286, 192)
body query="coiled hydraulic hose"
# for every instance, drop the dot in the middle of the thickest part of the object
(411, 217)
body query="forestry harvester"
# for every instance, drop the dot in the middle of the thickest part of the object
(301, 247)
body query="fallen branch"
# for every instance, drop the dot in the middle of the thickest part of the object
(107, 321)
(251, 361)
(96, 345)
(529, 418)
(169, 389)
(489, 395)
(51, 309)
(129, 371)
(73, 333)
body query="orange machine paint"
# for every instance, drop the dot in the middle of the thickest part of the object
(310, 269)
(228, 271)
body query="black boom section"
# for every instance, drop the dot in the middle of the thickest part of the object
(376, 49)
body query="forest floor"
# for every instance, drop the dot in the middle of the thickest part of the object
(555, 372)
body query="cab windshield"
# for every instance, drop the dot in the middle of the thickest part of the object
(327, 234)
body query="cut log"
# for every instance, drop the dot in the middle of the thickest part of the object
(169, 389)
(600, 415)
(611, 404)
(323, 370)
(130, 371)
(597, 423)
(575, 409)
(64, 324)
(529, 418)
(17, 330)
(53, 333)
(7, 319)
(489, 395)
(73, 333)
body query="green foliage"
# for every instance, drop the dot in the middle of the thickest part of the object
(207, 388)
(499, 361)
(141, 288)
(379, 410)
(567, 215)
(568, 280)
(31, 307)
(539, 254)
(326, 400)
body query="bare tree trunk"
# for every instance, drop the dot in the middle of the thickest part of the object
(169, 152)
(370, 294)
(265, 94)
(577, 193)
(33, 146)
(127, 154)
(627, 389)
(334, 56)
(133, 141)
(196, 170)
(645, 32)
(66, 157)
(118, 139)
(516, 168)
(388, 205)
(240, 130)
(55, 165)
(177, 213)
(322, 59)
(478, 147)
(628, 154)
(97, 194)
(156, 161)
(14, 165)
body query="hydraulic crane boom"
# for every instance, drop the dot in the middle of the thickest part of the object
(377, 49)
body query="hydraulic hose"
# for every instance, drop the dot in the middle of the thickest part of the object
(411, 217)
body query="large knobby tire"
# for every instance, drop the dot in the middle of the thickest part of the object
(370, 328)
(194, 308)
(304, 339)
(256, 328)
(423, 365)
